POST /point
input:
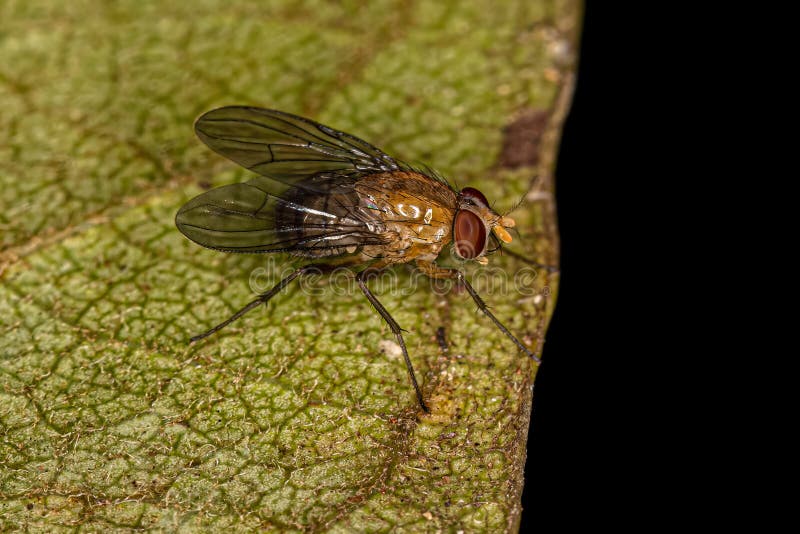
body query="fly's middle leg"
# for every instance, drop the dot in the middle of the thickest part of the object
(361, 278)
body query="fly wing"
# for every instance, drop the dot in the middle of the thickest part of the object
(290, 149)
(305, 200)
(245, 217)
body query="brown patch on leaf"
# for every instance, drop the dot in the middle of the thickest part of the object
(522, 140)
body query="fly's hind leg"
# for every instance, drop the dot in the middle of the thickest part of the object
(262, 299)
(434, 271)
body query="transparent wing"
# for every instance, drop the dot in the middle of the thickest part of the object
(290, 149)
(245, 217)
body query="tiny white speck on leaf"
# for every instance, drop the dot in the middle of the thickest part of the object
(390, 348)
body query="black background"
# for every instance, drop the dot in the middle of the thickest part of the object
(566, 435)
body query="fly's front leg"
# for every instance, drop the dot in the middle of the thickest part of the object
(361, 278)
(434, 271)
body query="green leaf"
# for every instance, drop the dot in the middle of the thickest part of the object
(299, 416)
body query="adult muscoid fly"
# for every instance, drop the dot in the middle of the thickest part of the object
(330, 197)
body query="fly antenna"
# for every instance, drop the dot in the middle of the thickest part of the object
(516, 206)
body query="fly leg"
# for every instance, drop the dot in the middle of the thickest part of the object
(262, 299)
(548, 268)
(361, 278)
(434, 271)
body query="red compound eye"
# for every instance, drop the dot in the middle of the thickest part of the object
(470, 234)
(475, 196)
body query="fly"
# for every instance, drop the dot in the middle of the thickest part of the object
(327, 196)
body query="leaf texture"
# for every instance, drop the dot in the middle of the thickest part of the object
(299, 417)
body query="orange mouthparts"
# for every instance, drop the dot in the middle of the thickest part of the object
(500, 229)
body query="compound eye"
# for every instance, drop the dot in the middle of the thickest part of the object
(475, 196)
(470, 235)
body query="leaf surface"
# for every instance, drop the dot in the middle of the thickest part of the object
(299, 416)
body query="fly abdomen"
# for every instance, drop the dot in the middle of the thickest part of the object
(323, 224)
